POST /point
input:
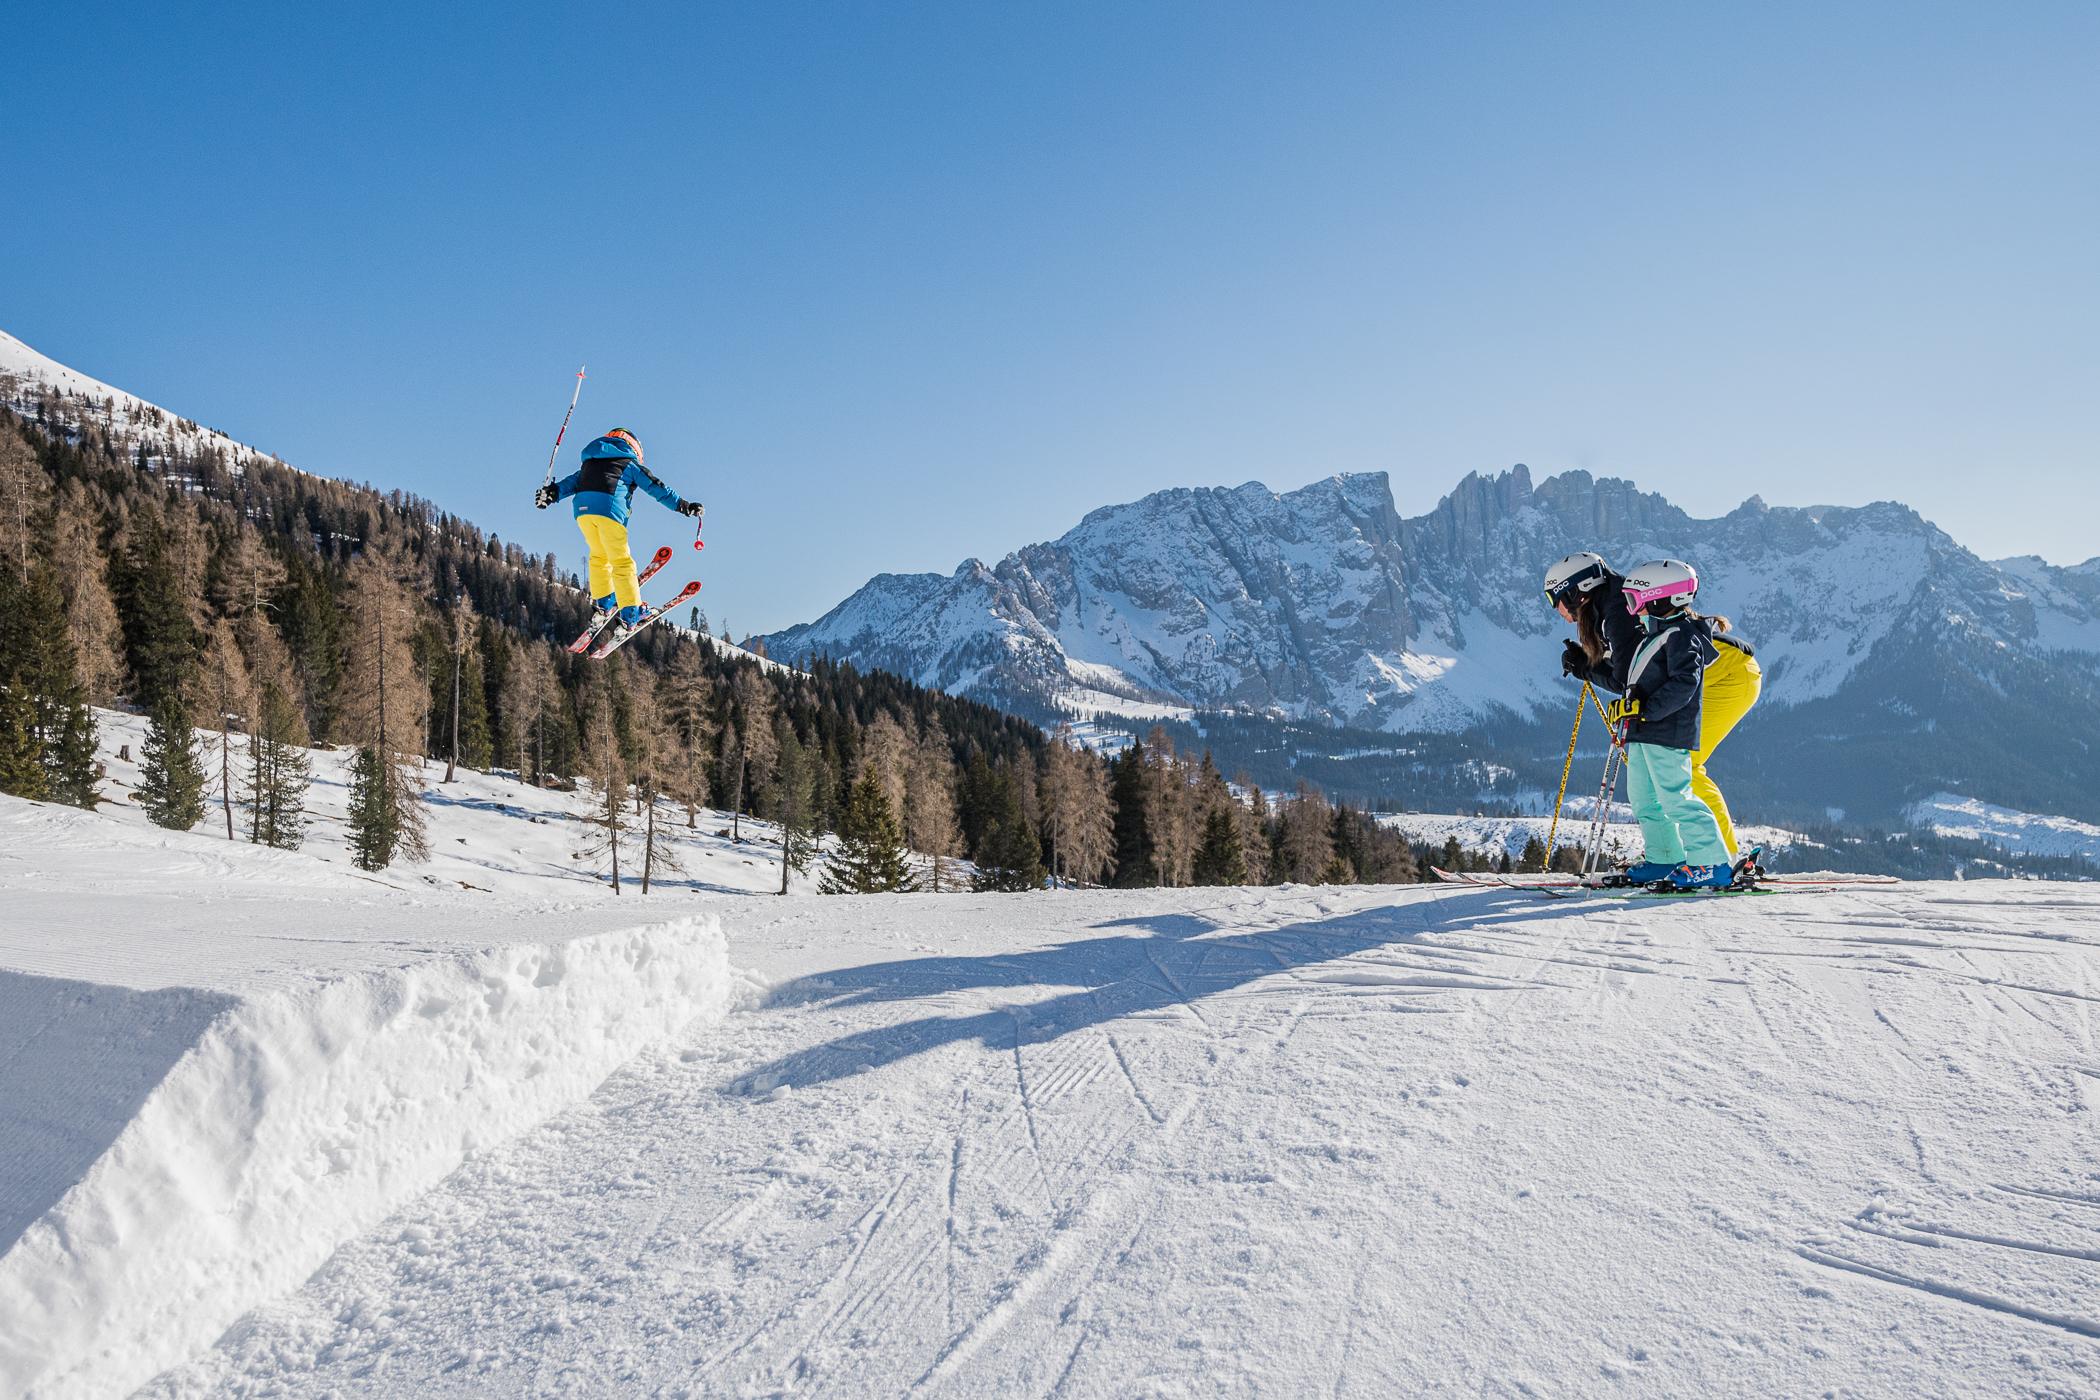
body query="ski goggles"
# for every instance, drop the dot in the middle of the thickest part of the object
(630, 439)
(1638, 598)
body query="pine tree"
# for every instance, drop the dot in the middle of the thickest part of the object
(1252, 819)
(160, 641)
(1134, 868)
(1011, 859)
(373, 819)
(21, 754)
(1218, 859)
(796, 775)
(382, 715)
(278, 772)
(1308, 841)
(608, 819)
(1534, 855)
(69, 758)
(871, 858)
(171, 780)
(38, 660)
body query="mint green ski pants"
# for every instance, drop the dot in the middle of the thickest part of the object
(1676, 827)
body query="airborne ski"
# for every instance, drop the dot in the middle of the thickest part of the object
(626, 634)
(599, 620)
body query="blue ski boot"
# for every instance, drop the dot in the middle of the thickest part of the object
(1648, 872)
(630, 616)
(1702, 877)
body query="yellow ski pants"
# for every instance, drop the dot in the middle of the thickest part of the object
(1731, 688)
(612, 567)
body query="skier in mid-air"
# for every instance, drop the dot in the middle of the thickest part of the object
(603, 488)
(1586, 591)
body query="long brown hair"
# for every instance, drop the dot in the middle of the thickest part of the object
(1586, 629)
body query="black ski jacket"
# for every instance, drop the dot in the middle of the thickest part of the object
(1666, 672)
(1621, 631)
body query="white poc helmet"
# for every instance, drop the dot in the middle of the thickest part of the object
(1669, 581)
(1575, 575)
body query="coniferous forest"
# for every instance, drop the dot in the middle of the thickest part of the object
(279, 610)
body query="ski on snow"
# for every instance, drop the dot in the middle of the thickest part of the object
(599, 621)
(627, 634)
(1569, 886)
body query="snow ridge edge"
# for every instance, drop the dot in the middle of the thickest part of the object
(299, 1119)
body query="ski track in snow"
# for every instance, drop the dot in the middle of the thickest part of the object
(1346, 1142)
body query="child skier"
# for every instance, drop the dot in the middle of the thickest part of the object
(1659, 711)
(604, 487)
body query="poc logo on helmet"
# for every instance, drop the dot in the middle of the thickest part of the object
(1671, 582)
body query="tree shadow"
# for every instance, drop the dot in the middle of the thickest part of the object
(1174, 959)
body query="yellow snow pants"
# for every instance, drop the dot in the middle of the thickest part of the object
(1731, 688)
(612, 566)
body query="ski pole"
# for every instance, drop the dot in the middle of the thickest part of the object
(563, 432)
(1568, 766)
(1598, 701)
(1600, 818)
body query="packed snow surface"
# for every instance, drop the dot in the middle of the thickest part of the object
(218, 1063)
(1358, 1142)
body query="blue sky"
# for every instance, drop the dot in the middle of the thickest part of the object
(888, 285)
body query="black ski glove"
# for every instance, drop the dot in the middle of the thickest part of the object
(692, 508)
(545, 496)
(1574, 661)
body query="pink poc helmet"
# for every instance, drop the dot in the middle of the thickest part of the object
(1669, 581)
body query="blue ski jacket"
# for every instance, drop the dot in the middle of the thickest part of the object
(605, 483)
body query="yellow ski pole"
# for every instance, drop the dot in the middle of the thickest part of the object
(1567, 767)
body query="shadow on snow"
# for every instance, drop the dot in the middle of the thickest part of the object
(1174, 959)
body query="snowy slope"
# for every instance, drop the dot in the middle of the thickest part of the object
(1359, 1143)
(74, 400)
(2022, 833)
(489, 833)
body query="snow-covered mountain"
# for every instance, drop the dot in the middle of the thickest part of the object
(34, 384)
(1324, 603)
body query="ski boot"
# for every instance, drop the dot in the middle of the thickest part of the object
(1688, 879)
(1645, 872)
(623, 622)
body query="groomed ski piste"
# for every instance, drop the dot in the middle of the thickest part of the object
(270, 1125)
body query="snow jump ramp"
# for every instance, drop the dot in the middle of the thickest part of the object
(252, 1059)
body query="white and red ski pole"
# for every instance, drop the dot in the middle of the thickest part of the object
(556, 452)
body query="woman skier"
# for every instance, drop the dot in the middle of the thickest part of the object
(1585, 591)
(1660, 665)
(604, 488)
